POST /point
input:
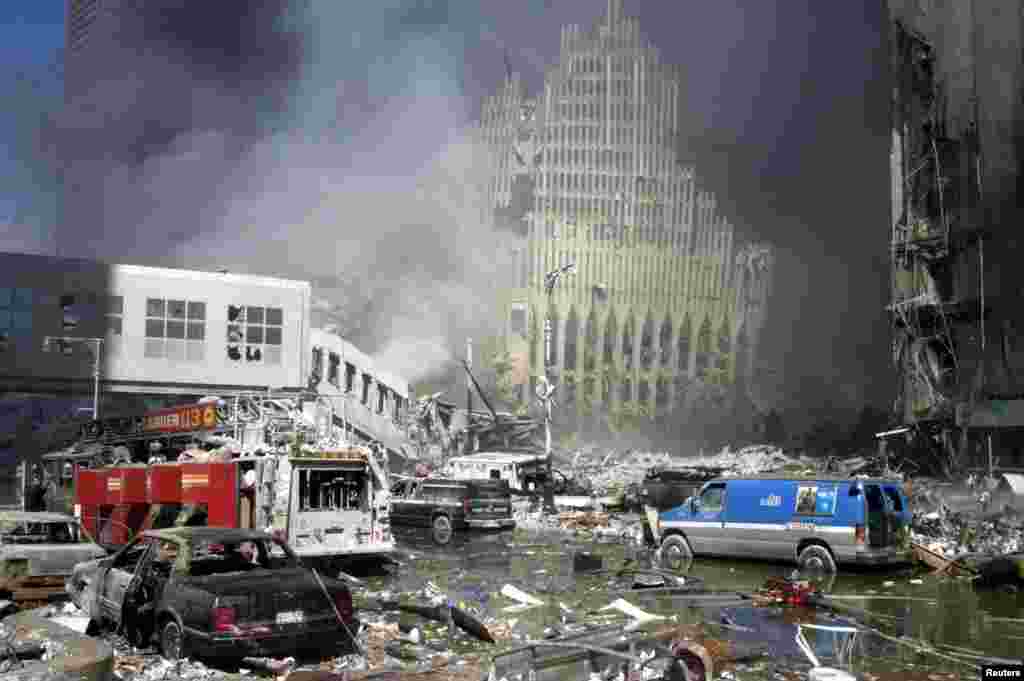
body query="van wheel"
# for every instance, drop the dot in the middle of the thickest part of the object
(816, 558)
(675, 553)
(442, 530)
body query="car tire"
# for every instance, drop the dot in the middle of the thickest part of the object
(93, 628)
(675, 553)
(172, 641)
(441, 530)
(816, 558)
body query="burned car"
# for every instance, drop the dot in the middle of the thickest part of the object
(38, 552)
(216, 592)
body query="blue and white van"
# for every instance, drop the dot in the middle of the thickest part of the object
(818, 522)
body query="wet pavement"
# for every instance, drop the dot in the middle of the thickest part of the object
(947, 615)
(928, 627)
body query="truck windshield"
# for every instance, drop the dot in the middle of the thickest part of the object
(332, 490)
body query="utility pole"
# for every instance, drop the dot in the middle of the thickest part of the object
(546, 387)
(469, 396)
(97, 344)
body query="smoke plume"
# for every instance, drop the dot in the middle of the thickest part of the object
(280, 140)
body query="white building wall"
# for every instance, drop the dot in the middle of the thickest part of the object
(42, 296)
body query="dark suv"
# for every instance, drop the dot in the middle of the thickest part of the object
(444, 505)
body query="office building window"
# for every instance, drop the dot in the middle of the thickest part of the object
(254, 333)
(517, 319)
(350, 377)
(317, 370)
(332, 372)
(15, 314)
(114, 315)
(175, 329)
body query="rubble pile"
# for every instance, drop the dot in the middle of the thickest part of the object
(611, 473)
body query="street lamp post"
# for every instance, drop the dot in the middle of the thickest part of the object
(547, 388)
(97, 344)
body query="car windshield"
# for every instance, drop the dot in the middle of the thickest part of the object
(213, 557)
(38, 533)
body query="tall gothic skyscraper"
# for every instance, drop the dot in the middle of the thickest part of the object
(588, 172)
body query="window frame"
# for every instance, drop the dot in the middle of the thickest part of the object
(249, 320)
(187, 321)
(816, 488)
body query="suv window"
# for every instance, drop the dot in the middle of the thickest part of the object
(444, 492)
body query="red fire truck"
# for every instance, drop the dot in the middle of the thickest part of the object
(331, 500)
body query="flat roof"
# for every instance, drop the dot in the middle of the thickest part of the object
(806, 478)
(163, 272)
(503, 457)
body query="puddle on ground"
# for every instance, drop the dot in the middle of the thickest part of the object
(946, 614)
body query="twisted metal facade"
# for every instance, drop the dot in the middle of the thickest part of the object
(588, 172)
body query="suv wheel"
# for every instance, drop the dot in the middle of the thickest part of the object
(816, 558)
(441, 530)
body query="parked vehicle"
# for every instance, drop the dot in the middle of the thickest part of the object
(332, 501)
(444, 505)
(524, 472)
(818, 522)
(216, 592)
(38, 552)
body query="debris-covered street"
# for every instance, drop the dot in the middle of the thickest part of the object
(587, 577)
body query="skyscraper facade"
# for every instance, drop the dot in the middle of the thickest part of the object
(588, 171)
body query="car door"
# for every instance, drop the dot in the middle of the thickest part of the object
(421, 502)
(118, 577)
(707, 528)
(399, 508)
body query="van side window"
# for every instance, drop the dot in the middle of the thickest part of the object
(712, 499)
(894, 499)
(815, 500)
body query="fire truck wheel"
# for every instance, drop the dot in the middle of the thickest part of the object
(442, 529)
(172, 641)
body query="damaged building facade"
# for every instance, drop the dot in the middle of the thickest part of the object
(588, 172)
(167, 337)
(956, 283)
